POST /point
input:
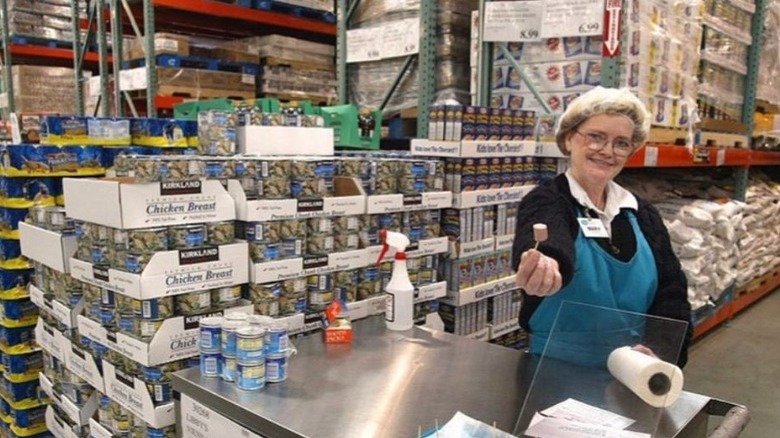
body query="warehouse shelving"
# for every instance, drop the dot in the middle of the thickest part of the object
(78, 55)
(425, 59)
(203, 18)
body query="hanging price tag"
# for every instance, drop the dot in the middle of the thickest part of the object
(566, 18)
(651, 156)
(721, 159)
(513, 21)
(400, 38)
(363, 45)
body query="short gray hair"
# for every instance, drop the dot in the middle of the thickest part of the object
(600, 100)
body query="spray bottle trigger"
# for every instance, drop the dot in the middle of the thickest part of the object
(385, 247)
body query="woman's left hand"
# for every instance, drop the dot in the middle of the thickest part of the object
(642, 349)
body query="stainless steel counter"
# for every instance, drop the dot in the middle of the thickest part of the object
(387, 384)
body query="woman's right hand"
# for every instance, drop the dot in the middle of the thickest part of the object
(538, 274)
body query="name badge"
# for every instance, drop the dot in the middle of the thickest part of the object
(592, 227)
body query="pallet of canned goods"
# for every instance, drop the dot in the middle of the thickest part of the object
(131, 250)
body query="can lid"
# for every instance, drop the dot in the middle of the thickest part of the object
(212, 321)
(232, 325)
(242, 317)
(251, 331)
(261, 320)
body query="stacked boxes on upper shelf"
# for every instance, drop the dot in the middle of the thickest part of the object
(200, 69)
(40, 89)
(661, 58)
(726, 42)
(104, 280)
(560, 68)
(492, 159)
(293, 69)
(36, 21)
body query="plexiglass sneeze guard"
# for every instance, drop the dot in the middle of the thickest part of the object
(573, 384)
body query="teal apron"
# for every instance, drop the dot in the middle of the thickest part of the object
(586, 335)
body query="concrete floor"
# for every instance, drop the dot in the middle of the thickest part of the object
(740, 362)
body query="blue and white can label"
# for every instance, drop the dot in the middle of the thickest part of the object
(210, 334)
(277, 340)
(276, 367)
(251, 376)
(210, 364)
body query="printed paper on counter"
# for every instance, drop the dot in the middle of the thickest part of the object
(574, 410)
(556, 428)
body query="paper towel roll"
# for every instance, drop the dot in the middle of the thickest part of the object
(656, 382)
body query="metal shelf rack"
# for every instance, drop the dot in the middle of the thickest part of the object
(426, 60)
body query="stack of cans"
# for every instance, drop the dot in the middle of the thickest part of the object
(248, 350)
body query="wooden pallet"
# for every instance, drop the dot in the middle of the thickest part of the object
(757, 283)
(724, 140)
(298, 65)
(678, 136)
(668, 136)
(317, 100)
(196, 93)
(726, 126)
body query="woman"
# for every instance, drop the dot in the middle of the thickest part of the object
(606, 247)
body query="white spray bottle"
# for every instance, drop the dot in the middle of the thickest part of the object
(399, 304)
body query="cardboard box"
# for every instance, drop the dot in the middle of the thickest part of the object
(48, 247)
(551, 49)
(78, 415)
(284, 140)
(84, 365)
(173, 272)
(286, 209)
(278, 270)
(163, 43)
(63, 313)
(128, 206)
(51, 340)
(381, 204)
(57, 426)
(473, 294)
(176, 339)
(131, 393)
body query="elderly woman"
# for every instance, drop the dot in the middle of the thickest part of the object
(606, 247)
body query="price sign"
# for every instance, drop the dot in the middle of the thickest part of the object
(400, 38)
(364, 45)
(513, 21)
(651, 156)
(562, 18)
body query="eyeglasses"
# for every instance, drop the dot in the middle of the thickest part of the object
(596, 142)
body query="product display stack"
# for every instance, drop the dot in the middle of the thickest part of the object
(36, 21)
(292, 68)
(705, 228)
(313, 221)
(121, 289)
(32, 199)
(39, 89)
(726, 42)
(759, 242)
(491, 160)
(662, 49)
(214, 73)
(662, 57)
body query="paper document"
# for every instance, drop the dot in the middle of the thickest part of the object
(577, 411)
(575, 419)
(555, 428)
(463, 426)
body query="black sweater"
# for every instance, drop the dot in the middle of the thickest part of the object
(553, 204)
